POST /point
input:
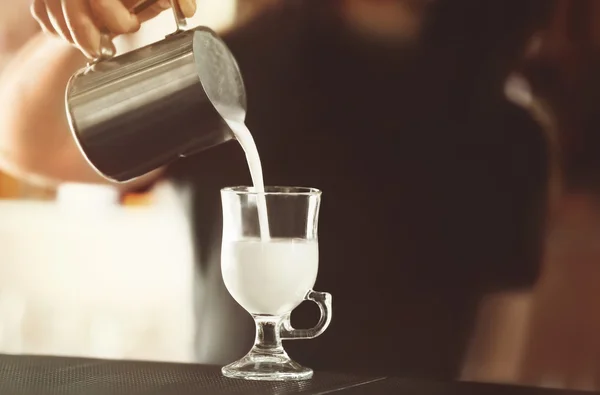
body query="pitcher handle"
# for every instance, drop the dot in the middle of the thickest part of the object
(180, 20)
(107, 48)
(323, 300)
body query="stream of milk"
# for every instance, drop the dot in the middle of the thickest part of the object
(244, 137)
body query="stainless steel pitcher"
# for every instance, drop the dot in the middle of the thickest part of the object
(139, 111)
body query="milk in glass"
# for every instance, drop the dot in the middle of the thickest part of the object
(269, 277)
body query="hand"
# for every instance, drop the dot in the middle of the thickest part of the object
(81, 22)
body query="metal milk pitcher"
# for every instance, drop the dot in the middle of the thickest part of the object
(139, 111)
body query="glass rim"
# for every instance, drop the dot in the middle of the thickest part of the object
(273, 191)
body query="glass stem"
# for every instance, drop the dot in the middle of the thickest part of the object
(268, 335)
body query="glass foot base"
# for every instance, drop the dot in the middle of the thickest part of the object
(267, 368)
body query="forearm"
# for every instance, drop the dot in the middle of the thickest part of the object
(35, 140)
(34, 133)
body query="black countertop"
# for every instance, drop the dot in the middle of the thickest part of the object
(41, 375)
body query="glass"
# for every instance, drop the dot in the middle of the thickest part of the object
(269, 273)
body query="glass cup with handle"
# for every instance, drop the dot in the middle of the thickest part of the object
(269, 261)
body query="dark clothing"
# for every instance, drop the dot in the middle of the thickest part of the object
(433, 185)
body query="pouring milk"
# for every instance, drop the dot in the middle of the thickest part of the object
(244, 137)
(224, 87)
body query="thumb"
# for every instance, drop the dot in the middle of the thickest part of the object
(188, 7)
(154, 10)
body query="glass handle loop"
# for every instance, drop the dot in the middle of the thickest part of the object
(323, 300)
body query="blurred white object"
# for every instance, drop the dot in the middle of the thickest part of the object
(73, 195)
(92, 278)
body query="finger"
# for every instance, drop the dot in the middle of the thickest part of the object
(113, 15)
(188, 7)
(85, 32)
(154, 10)
(55, 14)
(40, 14)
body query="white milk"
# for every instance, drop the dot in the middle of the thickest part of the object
(223, 85)
(269, 277)
(244, 137)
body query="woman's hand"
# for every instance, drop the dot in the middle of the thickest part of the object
(81, 22)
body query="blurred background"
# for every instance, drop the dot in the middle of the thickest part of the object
(69, 255)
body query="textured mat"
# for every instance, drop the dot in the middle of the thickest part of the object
(35, 375)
